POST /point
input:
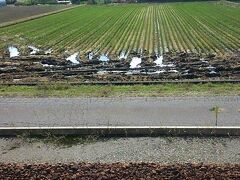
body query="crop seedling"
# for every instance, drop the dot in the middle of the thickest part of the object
(157, 28)
(216, 109)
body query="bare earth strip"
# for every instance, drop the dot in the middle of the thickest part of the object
(14, 14)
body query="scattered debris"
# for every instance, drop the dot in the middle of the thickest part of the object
(48, 52)
(133, 72)
(156, 72)
(173, 71)
(101, 72)
(74, 58)
(47, 65)
(13, 51)
(135, 63)
(33, 50)
(90, 55)
(159, 61)
(123, 55)
(212, 72)
(104, 58)
(211, 67)
(137, 67)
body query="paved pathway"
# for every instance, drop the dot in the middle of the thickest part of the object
(118, 111)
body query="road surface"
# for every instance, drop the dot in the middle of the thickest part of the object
(132, 111)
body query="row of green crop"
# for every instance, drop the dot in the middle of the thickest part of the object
(197, 27)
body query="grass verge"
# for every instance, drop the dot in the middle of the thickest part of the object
(63, 141)
(59, 90)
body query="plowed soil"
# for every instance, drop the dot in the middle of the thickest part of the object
(119, 171)
(176, 66)
(12, 13)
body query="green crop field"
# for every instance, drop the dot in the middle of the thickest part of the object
(197, 27)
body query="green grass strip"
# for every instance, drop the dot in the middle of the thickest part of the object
(61, 90)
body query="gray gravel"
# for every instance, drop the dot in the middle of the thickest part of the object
(127, 111)
(158, 149)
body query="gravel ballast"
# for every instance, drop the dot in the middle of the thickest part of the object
(119, 171)
(163, 150)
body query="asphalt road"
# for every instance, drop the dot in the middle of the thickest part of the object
(159, 149)
(119, 111)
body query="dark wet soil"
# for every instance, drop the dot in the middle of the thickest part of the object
(119, 171)
(175, 66)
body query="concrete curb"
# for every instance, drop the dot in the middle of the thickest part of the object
(122, 131)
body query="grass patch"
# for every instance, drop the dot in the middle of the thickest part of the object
(69, 141)
(64, 90)
(59, 141)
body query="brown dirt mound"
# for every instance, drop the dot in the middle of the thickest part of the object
(119, 171)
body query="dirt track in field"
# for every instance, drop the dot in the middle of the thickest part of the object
(12, 13)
